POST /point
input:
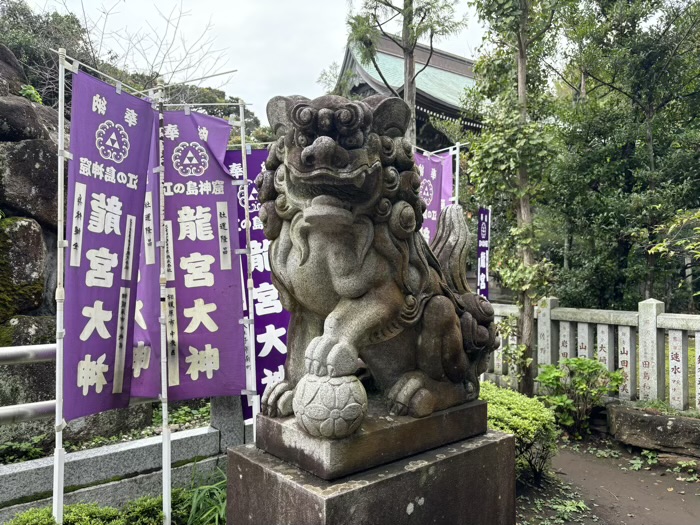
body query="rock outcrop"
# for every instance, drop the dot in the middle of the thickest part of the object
(12, 75)
(28, 179)
(22, 266)
(680, 435)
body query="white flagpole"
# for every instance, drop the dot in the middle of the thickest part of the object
(251, 381)
(457, 176)
(59, 452)
(165, 433)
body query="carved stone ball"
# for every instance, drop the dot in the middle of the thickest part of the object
(330, 407)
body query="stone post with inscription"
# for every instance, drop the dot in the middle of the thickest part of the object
(547, 332)
(652, 352)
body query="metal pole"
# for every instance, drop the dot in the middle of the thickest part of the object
(457, 175)
(59, 452)
(165, 434)
(251, 379)
(18, 355)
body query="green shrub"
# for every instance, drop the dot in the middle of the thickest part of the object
(143, 511)
(12, 452)
(532, 424)
(574, 387)
(79, 514)
(30, 93)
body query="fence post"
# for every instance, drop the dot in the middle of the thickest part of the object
(627, 353)
(652, 352)
(606, 345)
(227, 418)
(586, 340)
(547, 332)
(678, 369)
(567, 340)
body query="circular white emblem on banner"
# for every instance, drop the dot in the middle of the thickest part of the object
(112, 141)
(426, 191)
(190, 159)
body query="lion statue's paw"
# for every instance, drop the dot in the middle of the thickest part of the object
(326, 355)
(409, 396)
(277, 400)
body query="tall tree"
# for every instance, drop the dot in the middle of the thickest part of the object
(419, 20)
(509, 159)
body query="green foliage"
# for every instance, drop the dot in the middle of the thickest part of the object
(574, 387)
(79, 514)
(514, 356)
(30, 93)
(12, 452)
(629, 101)
(532, 424)
(188, 508)
(208, 503)
(184, 414)
(649, 457)
(566, 509)
(31, 36)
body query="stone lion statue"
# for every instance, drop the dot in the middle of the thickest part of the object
(340, 204)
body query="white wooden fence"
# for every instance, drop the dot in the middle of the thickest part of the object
(649, 346)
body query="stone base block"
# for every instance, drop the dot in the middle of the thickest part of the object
(469, 482)
(381, 439)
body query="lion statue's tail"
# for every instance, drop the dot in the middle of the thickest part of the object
(479, 335)
(451, 248)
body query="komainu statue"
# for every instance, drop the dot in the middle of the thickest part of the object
(340, 204)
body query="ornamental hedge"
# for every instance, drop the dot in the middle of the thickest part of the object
(532, 424)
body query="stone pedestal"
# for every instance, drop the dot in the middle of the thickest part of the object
(468, 482)
(381, 438)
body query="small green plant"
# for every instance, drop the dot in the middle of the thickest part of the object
(515, 356)
(573, 388)
(30, 93)
(636, 464)
(566, 508)
(208, 502)
(532, 424)
(651, 457)
(13, 452)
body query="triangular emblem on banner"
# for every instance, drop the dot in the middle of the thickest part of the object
(190, 159)
(112, 141)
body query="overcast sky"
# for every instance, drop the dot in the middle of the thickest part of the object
(279, 47)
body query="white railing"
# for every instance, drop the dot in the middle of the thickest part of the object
(649, 346)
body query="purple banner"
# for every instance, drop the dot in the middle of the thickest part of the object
(482, 251)
(206, 349)
(110, 143)
(271, 320)
(435, 188)
(146, 342)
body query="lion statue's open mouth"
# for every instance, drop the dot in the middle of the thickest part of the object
(340, 203)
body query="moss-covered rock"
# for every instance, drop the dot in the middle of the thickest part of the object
(29, 178)
(19, 120)
(28, 330)
(22, 266)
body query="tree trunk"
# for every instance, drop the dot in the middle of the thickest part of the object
(409, 68)
(526, 323)
(650, 146)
